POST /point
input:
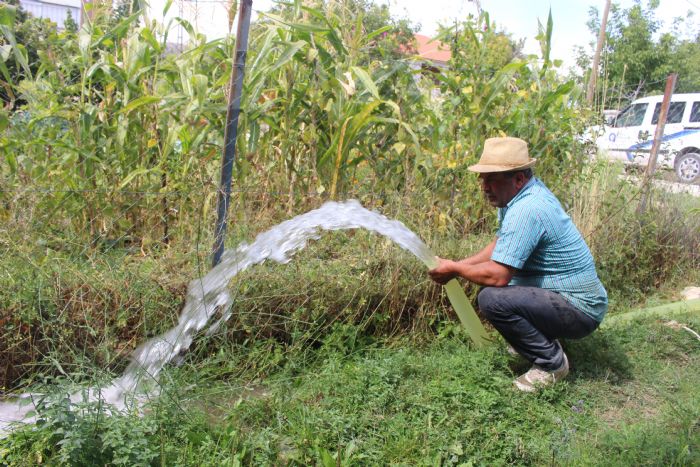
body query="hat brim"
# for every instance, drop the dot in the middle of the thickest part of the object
(492, 168)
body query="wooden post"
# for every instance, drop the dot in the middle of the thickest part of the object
(658, 136)
(590, 93)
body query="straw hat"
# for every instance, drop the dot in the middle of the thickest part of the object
(503, 155)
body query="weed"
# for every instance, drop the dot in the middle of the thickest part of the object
(399, 402)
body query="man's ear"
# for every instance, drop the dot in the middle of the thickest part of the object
(520, 180)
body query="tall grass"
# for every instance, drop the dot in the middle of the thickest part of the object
(106, 208)
(635, 254)
(122, 139)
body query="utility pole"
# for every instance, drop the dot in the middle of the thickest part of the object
(658, 135)
(478, 6)
(596, 58)
(231, 132)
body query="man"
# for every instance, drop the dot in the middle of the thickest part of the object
(538, 274)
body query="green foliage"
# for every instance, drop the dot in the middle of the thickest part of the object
(647, 251)
(632, 49)
(70, 25)
(319, 100)
(638, 56)
(684, 59)
(489, 91)
(635, 254)
(107, 110)
(60, 313)
(330, 108)
(631, 398)
(27, 43)
(81, 434)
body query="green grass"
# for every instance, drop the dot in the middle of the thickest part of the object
(347, 355)
(63, 314)
(633, 398)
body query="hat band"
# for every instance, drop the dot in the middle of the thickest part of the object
(505, 164)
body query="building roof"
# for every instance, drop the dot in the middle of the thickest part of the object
(70, 3)
(429, 49)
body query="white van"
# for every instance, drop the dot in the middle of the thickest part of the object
(631, 133)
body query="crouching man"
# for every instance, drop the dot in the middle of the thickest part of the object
(538, 274)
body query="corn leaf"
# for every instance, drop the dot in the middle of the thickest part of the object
(366, 81)
(128, 179)
(139, 102)
(7, 14)
(291, 49)
(377, 32)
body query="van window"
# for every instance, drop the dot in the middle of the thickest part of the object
(631, 116)
(675, 113)
(695, 112)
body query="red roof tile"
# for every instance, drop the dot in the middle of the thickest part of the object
(432, 50)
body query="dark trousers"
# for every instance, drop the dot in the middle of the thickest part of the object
(530, 318)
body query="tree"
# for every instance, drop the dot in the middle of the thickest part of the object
(634, 60)
(638, 57)
(685, 61)
(391, 44)
(33, 43)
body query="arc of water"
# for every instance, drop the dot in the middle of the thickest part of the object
(208, 295)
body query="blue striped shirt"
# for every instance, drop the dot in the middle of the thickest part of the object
(538, 238)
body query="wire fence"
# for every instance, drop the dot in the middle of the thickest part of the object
(85, 221)
(128, 217)
(87, 274)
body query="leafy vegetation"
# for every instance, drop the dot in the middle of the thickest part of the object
(133, 134)
(629, 400)
(638, 56)
(110, 149)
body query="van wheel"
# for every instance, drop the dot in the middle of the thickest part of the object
(688, 167)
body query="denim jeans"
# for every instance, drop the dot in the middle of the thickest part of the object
(530, 319)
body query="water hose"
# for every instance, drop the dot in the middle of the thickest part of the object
(465, 311)
(661, 311)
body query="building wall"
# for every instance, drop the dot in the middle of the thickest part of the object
(53, 11)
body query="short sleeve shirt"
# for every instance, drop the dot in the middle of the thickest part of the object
(539, 239)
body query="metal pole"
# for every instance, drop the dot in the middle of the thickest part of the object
(231, 132)
(658, 136)
(590, 93)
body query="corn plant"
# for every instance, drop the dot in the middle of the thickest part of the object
(313, 105)
(120, 121)
(127, 137)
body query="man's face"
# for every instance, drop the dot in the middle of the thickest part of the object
(500, 187)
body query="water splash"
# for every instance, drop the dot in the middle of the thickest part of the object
(209, 295)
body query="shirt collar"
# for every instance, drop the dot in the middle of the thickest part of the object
(523, 191)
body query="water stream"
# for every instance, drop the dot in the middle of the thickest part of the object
(208, 295)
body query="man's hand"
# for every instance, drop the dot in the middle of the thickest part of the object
(488, 273)
(443, 272)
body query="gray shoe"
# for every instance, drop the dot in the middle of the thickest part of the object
(537, 378)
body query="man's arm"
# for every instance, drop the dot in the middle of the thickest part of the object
(478, 268)
(482, 256)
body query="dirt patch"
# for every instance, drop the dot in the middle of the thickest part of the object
(630, 404)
